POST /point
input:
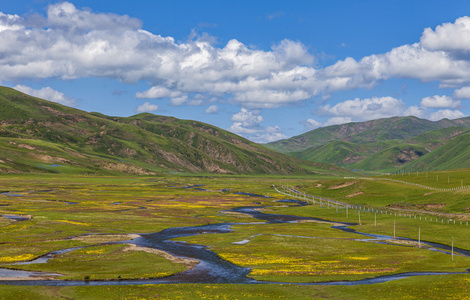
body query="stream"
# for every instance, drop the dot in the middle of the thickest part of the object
(211, 268)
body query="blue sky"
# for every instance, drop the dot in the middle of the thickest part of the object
(266, 70)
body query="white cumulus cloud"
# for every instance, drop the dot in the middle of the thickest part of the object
(47, 93)
(213, 109)
(449, 37)
(146, 107)
(417, 111)
(446, 114)
(69, 42)
(177, 101)
(337, 121)
(364, 109)
(310, 124)
(358, 110)
(10, 22)
(157, 92)
(439, 102)
(246, 122)
(462, 93)
(271, 134)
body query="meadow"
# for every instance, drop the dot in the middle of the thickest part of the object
(96, 215)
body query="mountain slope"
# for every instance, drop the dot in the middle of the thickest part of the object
(453, 155)
(41, 136)
(378, 145)
(362, 132)
(344, 153)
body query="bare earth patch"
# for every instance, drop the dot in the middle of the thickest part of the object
(188, 262)
(432, 206)
(318, 221)
(335, 187)
(237, 214)
(105, 238)
(430, 193)
(405, 242)
(28, 278)
(354, 194)
(127, 168)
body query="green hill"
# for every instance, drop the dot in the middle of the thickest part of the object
(41, 136)
(452, 155)
(361, 132)
(391, 158)
(377, 145)
(344, 153)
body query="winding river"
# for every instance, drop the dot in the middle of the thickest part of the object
(211, 268)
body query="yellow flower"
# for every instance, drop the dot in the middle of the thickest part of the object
(99, 251)
(21, 257)
(73, 222)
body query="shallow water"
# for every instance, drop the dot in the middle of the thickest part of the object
(43, 259)
(212, 268)
(16, 217)
(12, 194)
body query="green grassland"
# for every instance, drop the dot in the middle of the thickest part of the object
(303, 255)
(385, 145)
(434, 287)
(86, 211)
(39, 136)
(108, 262)
(395, 128)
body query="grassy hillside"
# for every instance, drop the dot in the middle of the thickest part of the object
(41, 136)
(361, 132)
(378, 145)
(452, 155)
(344, 153)
(407, 151)
(390, 158)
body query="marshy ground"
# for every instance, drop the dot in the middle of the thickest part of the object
(90, 213)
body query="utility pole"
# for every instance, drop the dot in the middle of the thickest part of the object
(419, 237)
(452, 248)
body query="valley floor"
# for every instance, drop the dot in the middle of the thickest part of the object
(103, 234)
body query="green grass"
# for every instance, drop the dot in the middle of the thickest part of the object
(384, 145)
(36, 134)
(314, 252)
(109, 262)
(292, 252)
(430, 287)
(389, 194)
(452, 155)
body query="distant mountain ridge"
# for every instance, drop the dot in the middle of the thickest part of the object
(377, 145)
(42, 136)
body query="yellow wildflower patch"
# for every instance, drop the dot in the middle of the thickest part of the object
(264, 264)
(99, 251)
(21, 257)
(74, 222)
(322, 272)
(358, 258)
